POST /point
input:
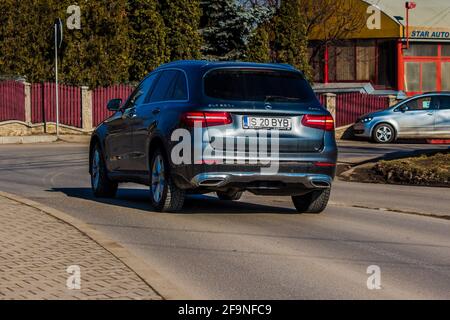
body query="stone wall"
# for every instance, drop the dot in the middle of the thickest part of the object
(19, 128)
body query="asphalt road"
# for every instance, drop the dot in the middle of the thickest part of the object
(258, 248)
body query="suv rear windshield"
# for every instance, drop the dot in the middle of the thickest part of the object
(257, 85)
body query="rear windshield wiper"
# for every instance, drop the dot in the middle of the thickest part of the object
(280, 98)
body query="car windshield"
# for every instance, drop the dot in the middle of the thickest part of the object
(258, 85)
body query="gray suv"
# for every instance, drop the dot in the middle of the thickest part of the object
(422, 116)
(201, 127)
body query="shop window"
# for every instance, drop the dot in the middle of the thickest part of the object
(345, 63)
(446, 76)
(422, 50)
(429, 72)
(412, 76)
(332, 63)
(366, 61)
(445, 50)
(317, 63)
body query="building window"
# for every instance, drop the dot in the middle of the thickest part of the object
(366, 61)
(421, 50)
(445, 50)
(412, 76)
(429, 73)
(316, 56)
(345, 63)
(446, 76)
(421, 76)
(352, 61)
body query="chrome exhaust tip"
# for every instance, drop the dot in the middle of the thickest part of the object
(321, 184)
(210, 182)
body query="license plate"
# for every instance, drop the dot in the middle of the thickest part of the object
(266, 123)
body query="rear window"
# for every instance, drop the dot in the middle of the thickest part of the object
(257, 85)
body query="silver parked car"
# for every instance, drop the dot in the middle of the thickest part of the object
(422, 116)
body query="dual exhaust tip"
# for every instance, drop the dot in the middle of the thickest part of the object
(215, 182)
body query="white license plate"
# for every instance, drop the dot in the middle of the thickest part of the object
(275, 123)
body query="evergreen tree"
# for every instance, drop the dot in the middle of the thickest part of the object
(291, 38)
(99, 53)
(147, 36)
(27, 39)
(259, 49)
(182, 19)
(226, 27)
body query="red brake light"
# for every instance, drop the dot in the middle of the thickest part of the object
(325, 164)
(206, 119)
(319, 122)
(189, 118)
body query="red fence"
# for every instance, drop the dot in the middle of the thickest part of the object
(350, 106)
(322, 99)
(12, 101)
(100, 98)
(43, 104)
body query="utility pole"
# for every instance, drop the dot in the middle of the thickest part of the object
(409, 5)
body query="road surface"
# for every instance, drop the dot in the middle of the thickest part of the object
(258, 248)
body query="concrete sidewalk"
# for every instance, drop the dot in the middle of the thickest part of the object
(37, 249)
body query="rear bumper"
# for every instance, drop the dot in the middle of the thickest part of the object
(291, 179)
(289, 173)
(309, 181)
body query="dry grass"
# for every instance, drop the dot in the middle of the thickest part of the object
(430, 170)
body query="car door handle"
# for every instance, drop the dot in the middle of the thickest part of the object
(156, 111)
(430, 113)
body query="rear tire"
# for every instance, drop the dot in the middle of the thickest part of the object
(313, 202)
(101, 185)
(384, 133)
(229, 196)
(165, 195)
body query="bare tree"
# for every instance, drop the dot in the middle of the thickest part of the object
(327, 21)
(332, 21)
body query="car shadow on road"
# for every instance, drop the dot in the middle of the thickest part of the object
(194, 204)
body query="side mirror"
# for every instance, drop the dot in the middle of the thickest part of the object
(114, 104)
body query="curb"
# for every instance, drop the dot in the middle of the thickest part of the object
(27, 139)
(415, 213)
(347, 174)
(84, 139)
(164, 288)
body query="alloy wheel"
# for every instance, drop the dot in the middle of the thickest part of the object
(158, 178)
(96, 169)
(384, 134)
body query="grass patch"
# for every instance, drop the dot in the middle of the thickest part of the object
(425, 170)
